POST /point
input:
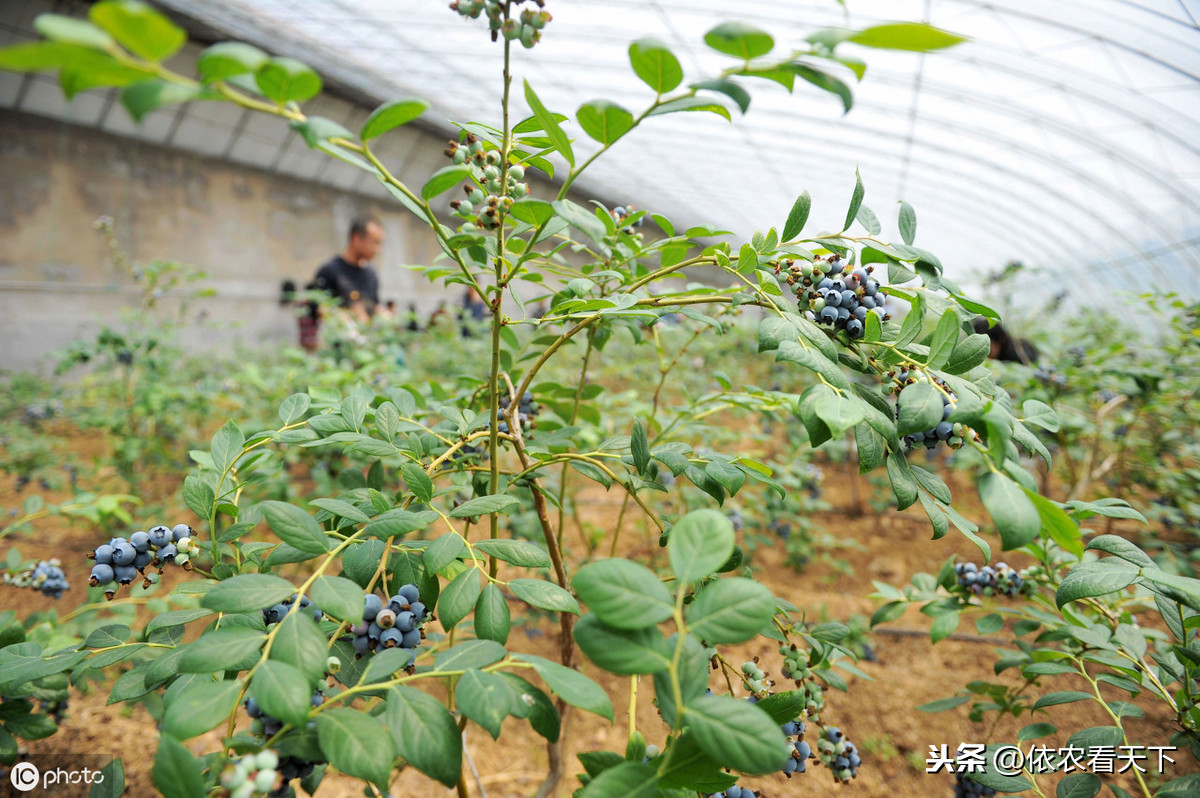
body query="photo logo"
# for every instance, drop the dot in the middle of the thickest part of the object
(24, 776)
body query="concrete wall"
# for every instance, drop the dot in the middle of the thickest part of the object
(247, 230)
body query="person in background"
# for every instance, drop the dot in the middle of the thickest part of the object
(473, 310)
(349, 277)
(414, 321)
(1004, 347)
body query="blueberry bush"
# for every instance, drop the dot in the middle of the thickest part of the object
(363, 621)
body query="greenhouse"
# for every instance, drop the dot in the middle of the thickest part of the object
(668, 399)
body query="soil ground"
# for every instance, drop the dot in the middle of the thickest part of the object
(878, 714)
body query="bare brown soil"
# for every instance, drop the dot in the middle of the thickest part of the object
(878, 715)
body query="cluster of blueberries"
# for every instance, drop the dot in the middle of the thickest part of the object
(252, 775)
(276, 613)
(526, 414)
(121, 559)
(1049, 375)
(951, 433)
(394, 625)
(47, 576)
(795, 667)
(838, 754)
(1002, 579)
(799, 751)
(834, 295)
(735, 792)
(620, 214)
(527, 29)
(283, 770)
(481, 208)
(969, 788)
(268, 726)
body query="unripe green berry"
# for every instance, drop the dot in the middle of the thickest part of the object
(516, 171)
(266, 760)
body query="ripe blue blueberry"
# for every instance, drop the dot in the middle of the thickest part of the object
(140, 541)
(104, 554)
(123, 553)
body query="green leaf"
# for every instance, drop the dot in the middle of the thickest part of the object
(731, 90)
(604, 121)
(385, 663)
(1061, 697)
(621, 651)
(295, 527)
(443, 180)
(785, 706)
(1089, 579)
(944, 625)
(443, 551)
(483, 697)
(904, 484)
(626, 780)
(200, 707)
(1035, 730)
(139, 28)
(300, 642)
(699, 544)
(111, 782)
(69, 30)
(739, 40)
(691, 104)
(1041, 414)
(399, 522)
(294, 407)
(1182, 787)
(855, 200)
(532, 211)
(730, 611)
(655, 64)
(686, 766)
(1061, 527)
(908, 223)
(176, 771)
(282, 691)
(229, 59)
(247, 592)
(921, 408)
(417, 481)
(943, 704)
(338, 597)
(226, 446)
(797, 217)
(550, 125)
(287, 80)
(515, 552)
(826, 82)
(109, 635)
(945, 337)
(356, 744)
(492, 618)
(544, 595)
(425, 734)
(611, 587)
(570, 685)
(1188, 589)
(485, 505)
(911, 36)
(458, 598)
(392, 115)
(989, 624)
(317, 129)
(1079, 785)
(1122, 548)
(145, 96)
(1016, 518)
(639, 448)
(736, 734)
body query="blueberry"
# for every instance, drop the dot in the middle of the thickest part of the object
(362, 644)
(125, 574)
(140, 541)
(405, 621)
(372, 607)
(104, 554)
(391, 638)
(829, 315)
(373, 632)
(412, 638)
(182, 531)
(159, 536)
(167, 553)
(252, 708)
(142, 559)
(123, 553)
(102, 574)
(410, 592)
(418, 611)
(854, 327)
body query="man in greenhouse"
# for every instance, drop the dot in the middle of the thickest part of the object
(349, 277)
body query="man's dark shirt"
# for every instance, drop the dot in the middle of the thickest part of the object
(348, 283)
